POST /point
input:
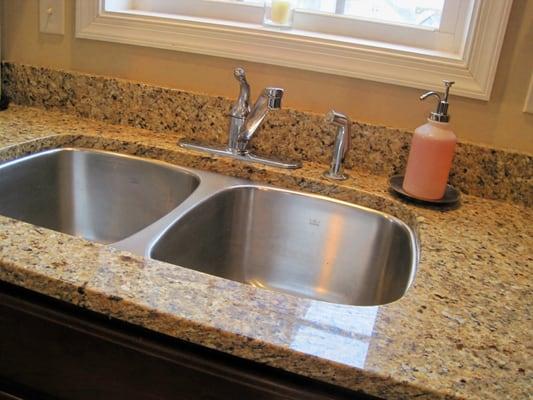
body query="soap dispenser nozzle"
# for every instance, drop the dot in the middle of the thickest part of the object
(441, 114)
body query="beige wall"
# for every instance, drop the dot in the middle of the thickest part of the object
(499, 122)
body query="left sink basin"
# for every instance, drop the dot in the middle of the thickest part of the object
(97, 195)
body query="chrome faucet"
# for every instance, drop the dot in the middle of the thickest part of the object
(342, 144)
(245, 121)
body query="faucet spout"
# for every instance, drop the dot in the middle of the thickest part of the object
(270, 99)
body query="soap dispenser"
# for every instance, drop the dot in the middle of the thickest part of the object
(431, 154)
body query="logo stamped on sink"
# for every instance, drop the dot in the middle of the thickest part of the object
(314, 222)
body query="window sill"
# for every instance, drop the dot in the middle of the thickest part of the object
(473, 70)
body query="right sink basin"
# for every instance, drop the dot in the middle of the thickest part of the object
(306, 245)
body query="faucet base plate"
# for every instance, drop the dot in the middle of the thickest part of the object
(246, 157)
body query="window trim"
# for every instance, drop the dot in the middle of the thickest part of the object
(473, 70)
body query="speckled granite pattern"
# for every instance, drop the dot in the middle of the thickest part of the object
(462, 331)
(478, 170)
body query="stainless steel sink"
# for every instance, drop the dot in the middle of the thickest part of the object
(302, 244)
(306, 245)
(97, 195)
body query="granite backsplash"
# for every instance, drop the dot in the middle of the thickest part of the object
(478, 170)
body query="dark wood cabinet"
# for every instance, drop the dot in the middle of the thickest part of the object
(53, 350)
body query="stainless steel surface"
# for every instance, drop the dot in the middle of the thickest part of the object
(246, 156)
(97, 195)
(244, 124)
(305, 245)
(441, 114)
(343, 141)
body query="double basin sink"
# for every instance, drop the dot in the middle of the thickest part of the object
(302, 244)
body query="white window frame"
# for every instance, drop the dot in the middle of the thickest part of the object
(472, 66)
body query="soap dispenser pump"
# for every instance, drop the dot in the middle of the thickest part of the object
(431, 154)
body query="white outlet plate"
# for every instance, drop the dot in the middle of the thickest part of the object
(52, 16)
(528, 105)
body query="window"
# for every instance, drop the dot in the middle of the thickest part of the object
(412, 12)
(414, 43)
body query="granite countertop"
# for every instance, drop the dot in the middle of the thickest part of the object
(463, 330)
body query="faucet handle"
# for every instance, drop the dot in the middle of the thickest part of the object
(242, 106)
(240, 74)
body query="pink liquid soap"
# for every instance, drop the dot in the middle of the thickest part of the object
(430, 160)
